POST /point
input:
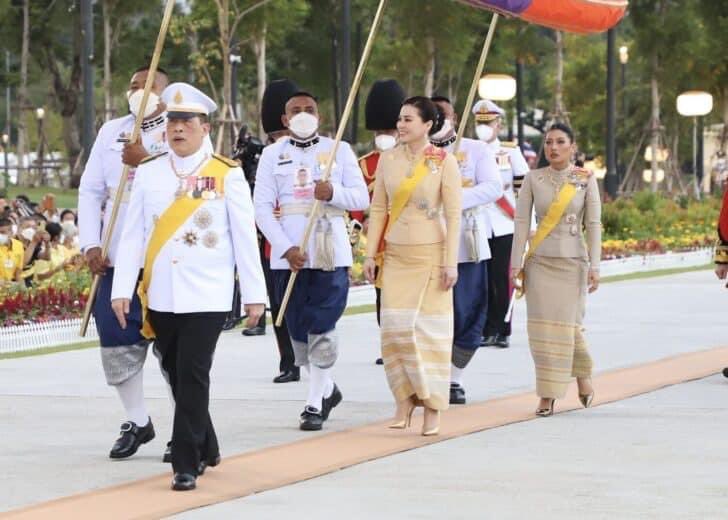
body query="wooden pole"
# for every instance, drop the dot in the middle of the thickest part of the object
(125, 171)
(474, 87)
(339, 135)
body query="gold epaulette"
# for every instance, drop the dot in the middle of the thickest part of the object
(721, 253)
(152, 157)
(226, 160)
(509, 144)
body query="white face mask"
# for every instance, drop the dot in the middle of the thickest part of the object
(484, 132)
(15, 229)
(385, 142)
(28, 233)
(135, 101)
(444, 132)
(4, 239)
(303, 125)
(69, 229)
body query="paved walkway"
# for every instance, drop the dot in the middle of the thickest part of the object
(58, 420)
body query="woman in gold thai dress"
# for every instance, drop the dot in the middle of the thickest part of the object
(413, 238)
(559, 268)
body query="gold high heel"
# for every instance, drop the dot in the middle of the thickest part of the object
(546, 412)
(434, 428)
(586, 399)
(403, 415)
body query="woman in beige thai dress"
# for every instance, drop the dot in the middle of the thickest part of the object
(560, 269)
(414, 224)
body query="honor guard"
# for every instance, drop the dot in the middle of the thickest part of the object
(721, 247)
(123, 351)
(289, 177)
(381, 113)
(513, 168)
(189, 223)
(273, 108)
(481, 185)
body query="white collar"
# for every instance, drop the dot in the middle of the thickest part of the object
(185, 164)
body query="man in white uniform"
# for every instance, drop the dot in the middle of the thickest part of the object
(513, 168)
(189, 223)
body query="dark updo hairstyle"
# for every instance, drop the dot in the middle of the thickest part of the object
(563, 128)
(54, 230)
(428, 111)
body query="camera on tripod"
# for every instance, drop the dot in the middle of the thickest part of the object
(247, 150)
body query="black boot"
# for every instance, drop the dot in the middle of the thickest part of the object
(457, 394)
(132, 436)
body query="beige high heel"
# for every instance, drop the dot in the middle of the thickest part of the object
(587, 399)
(403, 415)
(431, 422)
(546, 412)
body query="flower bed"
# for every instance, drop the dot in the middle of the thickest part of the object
(62, 297)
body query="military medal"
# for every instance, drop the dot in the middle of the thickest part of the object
(183, 178)
(202, 219)
(210, 239)
(189, 238)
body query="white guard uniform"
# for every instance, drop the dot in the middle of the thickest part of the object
(511, 163)
(194, 271)
(481, 186)
(102, 174)
(285, 178)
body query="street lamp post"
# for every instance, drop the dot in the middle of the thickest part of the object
(611, 182)
(624, 59)
(695, 104)
(40, 115)
(6, 141)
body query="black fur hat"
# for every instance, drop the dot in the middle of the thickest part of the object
(383, 105)
(274, 104)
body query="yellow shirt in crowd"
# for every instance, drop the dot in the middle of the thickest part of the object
(11, 260)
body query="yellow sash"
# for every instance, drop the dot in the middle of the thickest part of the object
(165, 228)
(399, 202)
(546, 226)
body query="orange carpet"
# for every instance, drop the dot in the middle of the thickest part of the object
(270, 468)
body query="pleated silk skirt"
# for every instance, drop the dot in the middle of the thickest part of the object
(555, 302)
(417, 324)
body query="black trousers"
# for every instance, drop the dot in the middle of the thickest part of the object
(499, 294)
(285, 349)
(186, 344)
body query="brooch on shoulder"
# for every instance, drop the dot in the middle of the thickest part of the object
(579, 177)
(434, 157)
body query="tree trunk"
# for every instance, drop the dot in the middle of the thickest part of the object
(654, 123)
(430, 73)
(559, 109)
(724, 136)
(108, 101)
(223, 18)
(23, 94)
(259, 48)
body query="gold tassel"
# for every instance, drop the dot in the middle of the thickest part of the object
(324, 236)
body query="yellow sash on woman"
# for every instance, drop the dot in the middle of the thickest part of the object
(399, 202)
(547, 225)
(165, 228)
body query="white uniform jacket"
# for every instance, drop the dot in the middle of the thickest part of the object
(481, 186)
(194, 270)
(286, 178)
(511, 163)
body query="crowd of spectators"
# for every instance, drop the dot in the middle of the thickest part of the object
(37, 241)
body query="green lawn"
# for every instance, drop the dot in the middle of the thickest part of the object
(65, 198)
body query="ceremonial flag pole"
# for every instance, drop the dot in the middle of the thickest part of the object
(125, 171)
(343, 123)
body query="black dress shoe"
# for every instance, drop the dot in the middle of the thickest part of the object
(379, 361)
(167, 457)
(311, 419)
(501, 341)
(208, 462)
(132, 436)
(457, 394)
(254, 331)
(487, 341)
(330, 402)
(288, 376)
(184, 482)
